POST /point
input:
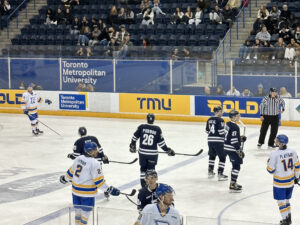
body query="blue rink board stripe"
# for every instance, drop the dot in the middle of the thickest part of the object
(133, 183)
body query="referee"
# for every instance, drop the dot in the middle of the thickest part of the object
(270, 107)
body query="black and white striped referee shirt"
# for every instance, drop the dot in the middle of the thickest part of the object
(271, 106)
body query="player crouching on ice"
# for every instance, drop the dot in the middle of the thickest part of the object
(162, 212)
(86, 176)
(284, 165)
(233, 149)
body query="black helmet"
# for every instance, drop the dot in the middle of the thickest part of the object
(272, 89)
(150, 173)
(233, 113)
(150, 118)
(82, 131)
(217, 108)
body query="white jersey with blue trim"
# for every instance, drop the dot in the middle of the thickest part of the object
(151, 215)
(29, 102)
(86, 175)
(284, 165)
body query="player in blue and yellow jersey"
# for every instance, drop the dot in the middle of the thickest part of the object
(284, 165)
(87, 177)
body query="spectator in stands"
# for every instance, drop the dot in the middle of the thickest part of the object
(74, 3)
(68, 17)
(84, 22)
(125, 46)
(113, 16)
(146, 43)
(222, 3)
(233, 92)
(203, 5)
(228, 16)
(101, 25)
(113, 48)
(76, 26)
(35, 86)
(90, 88)
(104, 37)
(121, 16)
(220, 90)
(292, 21)
(247, 93)
(186, 54)
(207, 90)
(95, 37)
(121, 34)
(272, 25)
(256, 48)
(285, 34)
(157, 8)
(188, 16)
(289, 53)
(296, 34)
(257, 26)
(81, 85)
(216, 16)
(84, 37)
(263, 13)
(93, 23)
(50, 19)
(147, 47)
(275, 13)
(285, 13)
(198, 17)
(266, 51)
(279, 49)
(294, 44)
(60, 17)
(235, 5)
(148, 17)
(284, 93)
(129, 16)
(22, 85)
(175, 54)
(177, 16)
(6, 7)
(260, 91)
(145, 4)
(245, 50)
(113, 33)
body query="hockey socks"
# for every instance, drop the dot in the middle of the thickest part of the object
(284, 208)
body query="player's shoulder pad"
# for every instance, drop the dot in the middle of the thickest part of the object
(148, 208)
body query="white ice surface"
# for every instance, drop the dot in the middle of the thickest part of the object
(195, 194)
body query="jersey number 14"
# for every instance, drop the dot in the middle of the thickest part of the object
(289, 165)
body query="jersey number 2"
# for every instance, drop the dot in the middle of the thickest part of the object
(78, 170)
(289, 165)
(148, 139)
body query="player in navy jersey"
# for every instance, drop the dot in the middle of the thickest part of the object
(78, 148)
(150, 136)
(232, 147)
(216, 133)
(146, 194)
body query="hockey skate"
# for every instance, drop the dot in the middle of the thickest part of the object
(39, 131)
(211, 174)
(284, 222)
(35, 133)
(271, 146)
(259, 145)
(235, 188)
(222, 177)
(289, 219)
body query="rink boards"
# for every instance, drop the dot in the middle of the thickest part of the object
(166, 107)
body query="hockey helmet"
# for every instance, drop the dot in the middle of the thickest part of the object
(150, 118)
(282, 138)
(150, 173)
(217, 109)
(89, 147)
(162, 189)
(233, 113)
(82, 131)
(272, 89)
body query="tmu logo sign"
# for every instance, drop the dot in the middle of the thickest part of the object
(155, 103)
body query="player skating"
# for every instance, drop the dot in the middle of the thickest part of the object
(150, 136)
(284, 165)
(78, 148)
(232, 147)
(162, 212)
(146, 194)
(87, 177)
(216, 133)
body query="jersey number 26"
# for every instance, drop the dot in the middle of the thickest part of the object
(148, 139)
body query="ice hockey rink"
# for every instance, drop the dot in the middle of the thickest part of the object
(30, 192)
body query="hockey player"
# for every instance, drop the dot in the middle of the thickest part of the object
(232, 147)
(150, 136)
(29, 102)
(284, 165)
(162, 212)
(79, 146)
(216, 133)
(146, 194)
(86, 176)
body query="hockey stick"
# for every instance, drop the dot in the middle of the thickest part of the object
(244, 132)
(45, 125)
(131, 200)
(185, 154)
(133, 191)
(133, 161)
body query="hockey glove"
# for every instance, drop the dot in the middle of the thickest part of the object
(62, 179)
(240, 153)
(48, 101)
(132, 148)
(25, 112)
(71, 156)
(170, 152)
(105, 159)
(296, 181)
(243, 138)
(113, 191)
(106, 194)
